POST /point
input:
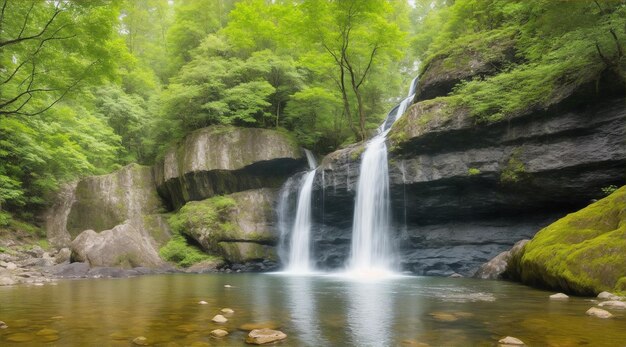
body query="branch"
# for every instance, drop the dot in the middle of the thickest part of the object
(67, 90)
(20, 39)
(369, 65)
(604, 58)
(4, 6)
(26, 20)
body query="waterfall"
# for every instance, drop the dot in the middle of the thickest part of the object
(298, 259)
(372, 249)
(371, 246)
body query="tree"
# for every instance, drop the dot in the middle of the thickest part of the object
(45, 53)
(357, 35)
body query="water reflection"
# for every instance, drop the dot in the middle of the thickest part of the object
(303, 310)
(370, 312)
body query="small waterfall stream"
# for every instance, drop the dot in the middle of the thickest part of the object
(299, 258)
(372, 249)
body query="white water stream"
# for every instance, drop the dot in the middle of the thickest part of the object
(299, 260)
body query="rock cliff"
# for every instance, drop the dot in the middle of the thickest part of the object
(463, 192)
(222, 160)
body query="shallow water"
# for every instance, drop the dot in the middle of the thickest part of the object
(311, 310)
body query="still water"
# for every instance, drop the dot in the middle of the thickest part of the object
(311, 310)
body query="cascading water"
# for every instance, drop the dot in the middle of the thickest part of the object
(372, 250)
(299, 257)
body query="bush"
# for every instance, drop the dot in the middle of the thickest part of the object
(177, 250)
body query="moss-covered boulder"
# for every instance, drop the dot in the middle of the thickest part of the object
(245, 217)
(583, 253)
(222, 160)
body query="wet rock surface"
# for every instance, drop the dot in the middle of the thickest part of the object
(463, 193)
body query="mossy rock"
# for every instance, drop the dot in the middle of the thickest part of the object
(245, 216)
(583, 253)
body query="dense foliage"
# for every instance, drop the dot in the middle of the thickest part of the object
(88, 86)
(552, 46)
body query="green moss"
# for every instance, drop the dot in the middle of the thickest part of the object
(209, 217)
(514, 170)
(356, 153)
(421, 118)
(583, 253)
(473, 171)
(177, 250)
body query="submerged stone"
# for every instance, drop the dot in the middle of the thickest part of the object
(3, 325)
(559, 296)
(261, 325)
(613, 304)
(219, 319)
(20, 337)
(263, 336)
(140, 341)
(46, 331)
(219, 333)
(227, 310)
(598, 312)
(510, 341)
(202, 302)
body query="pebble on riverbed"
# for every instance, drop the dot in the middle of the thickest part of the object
(219, 319)
(219, 333)
(3, 325)
(559, 296)
(227, 310)
(263, 336)
(227, 286)
(511, 341)
(140, 341)
(203, 302)
(598, 312)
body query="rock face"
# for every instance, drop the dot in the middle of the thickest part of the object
(111, 220)
(464, 192)
(223, 160)
(583, 253)
(240, 227)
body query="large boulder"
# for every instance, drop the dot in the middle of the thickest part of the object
(123, 207)
(496, 267)
(123, 246)
(240, 226)
(583, 253)
(221, 160)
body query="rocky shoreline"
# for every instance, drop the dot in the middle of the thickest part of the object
(32, 265)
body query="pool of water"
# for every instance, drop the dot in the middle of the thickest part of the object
(311, 310)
